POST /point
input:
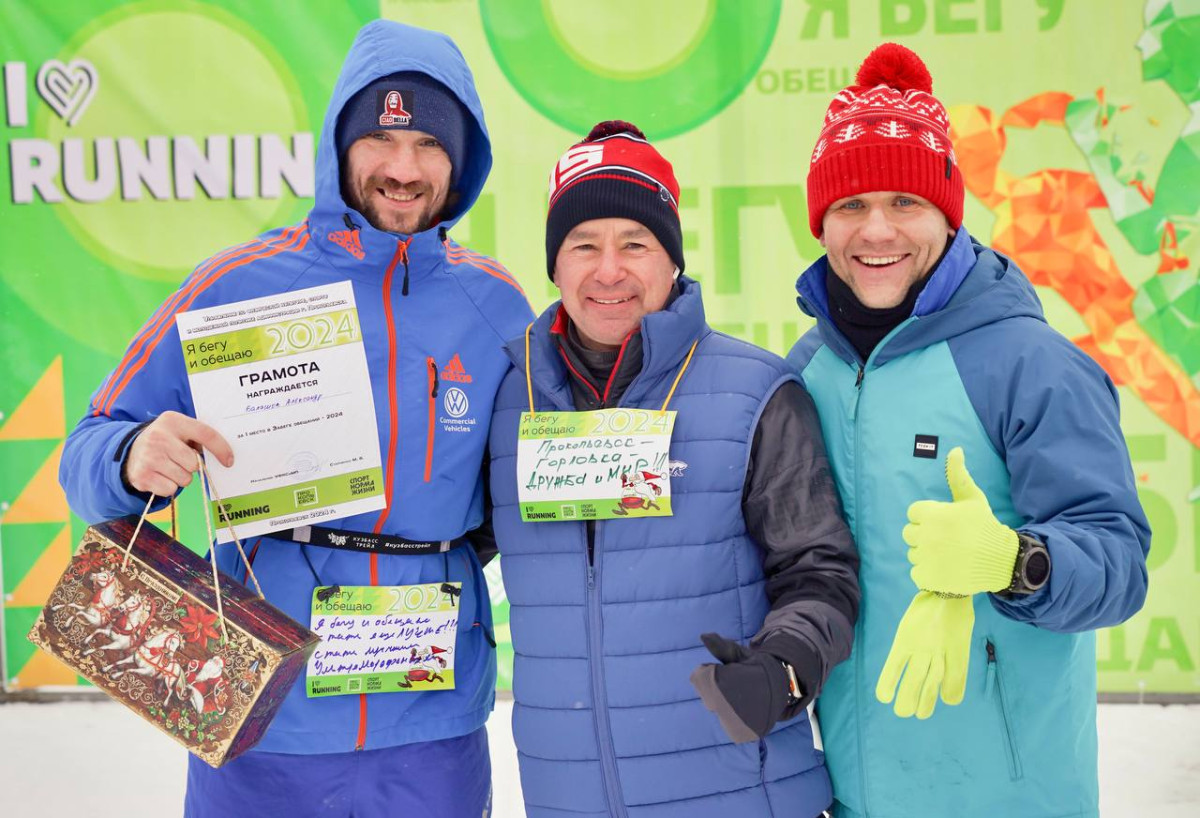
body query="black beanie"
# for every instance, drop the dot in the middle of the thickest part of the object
(407, 100)
(614, 173)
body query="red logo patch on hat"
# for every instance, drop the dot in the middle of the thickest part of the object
(393, 106)
(574, 162)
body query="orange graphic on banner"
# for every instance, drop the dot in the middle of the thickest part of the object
(40, 415)
(34, 588)
(42, 500)
(43, 670)
(1043, 224)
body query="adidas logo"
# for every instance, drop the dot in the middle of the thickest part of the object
(348, 239)
(454, 371)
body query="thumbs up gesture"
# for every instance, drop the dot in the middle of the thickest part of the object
(959, 547)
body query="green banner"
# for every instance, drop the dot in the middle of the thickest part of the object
(141, 137)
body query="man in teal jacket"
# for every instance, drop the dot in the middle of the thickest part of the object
(984, 474)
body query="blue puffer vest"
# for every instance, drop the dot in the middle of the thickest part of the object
(606, 721)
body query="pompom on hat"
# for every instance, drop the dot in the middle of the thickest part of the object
(886, 132)
(614, 173)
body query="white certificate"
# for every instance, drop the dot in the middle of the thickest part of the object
(284, 379)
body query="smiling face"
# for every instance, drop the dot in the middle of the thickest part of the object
(611, 273)
(881, 243)
(398, 179)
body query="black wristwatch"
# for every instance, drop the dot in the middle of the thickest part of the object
(1032, 569)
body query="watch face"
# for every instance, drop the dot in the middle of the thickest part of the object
(1037, 568)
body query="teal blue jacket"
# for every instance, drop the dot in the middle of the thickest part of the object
(977, 366)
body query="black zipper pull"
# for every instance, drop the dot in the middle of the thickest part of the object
(491, 640)
(991, 652)
(433, 373)
(346, 220)
(404, 259)
(323, 594)
(861, 373)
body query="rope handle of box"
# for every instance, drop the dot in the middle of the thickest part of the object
(206, 486)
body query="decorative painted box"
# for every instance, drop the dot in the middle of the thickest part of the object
(148, 635)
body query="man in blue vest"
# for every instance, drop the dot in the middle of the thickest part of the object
(619, 709)
(981, 463)
(404, 154)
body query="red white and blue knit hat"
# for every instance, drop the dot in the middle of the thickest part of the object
(886, 132)
(614, 173)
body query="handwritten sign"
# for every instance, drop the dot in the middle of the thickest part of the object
(602, 465)
(386, 639)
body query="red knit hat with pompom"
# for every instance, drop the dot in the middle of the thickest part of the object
(614, 173)
(886, 132)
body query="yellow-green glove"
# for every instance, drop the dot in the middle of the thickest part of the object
(959, 547)
(932, 648)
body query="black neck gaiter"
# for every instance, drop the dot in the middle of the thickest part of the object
(599, 362)
(864, 326)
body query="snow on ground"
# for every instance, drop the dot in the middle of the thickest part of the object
(53, 762)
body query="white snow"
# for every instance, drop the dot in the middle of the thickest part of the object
(1149, 761)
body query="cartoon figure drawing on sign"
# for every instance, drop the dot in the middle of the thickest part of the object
(638, 491)
(428, 661)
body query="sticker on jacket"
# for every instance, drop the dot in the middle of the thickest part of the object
(383, 639)
(926, 446)
(602, 465)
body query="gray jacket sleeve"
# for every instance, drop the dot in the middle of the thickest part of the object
(793, 511)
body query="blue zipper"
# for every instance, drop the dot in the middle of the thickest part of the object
(860, 688)
(595, 626)
(860, 706)
(608, 759)
(994, 682)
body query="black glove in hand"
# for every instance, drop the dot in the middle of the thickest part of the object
(748, 691)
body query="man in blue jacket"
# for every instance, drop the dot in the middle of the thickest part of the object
(981, 463)
(404, 153)
(615, 620)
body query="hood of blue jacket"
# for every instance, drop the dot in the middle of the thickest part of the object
(971, 286)
(385, 47)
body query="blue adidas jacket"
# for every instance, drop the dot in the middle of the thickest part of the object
(459, 305)
(606, 721)
(977, 366)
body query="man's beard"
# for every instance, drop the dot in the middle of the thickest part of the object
(430, 213)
